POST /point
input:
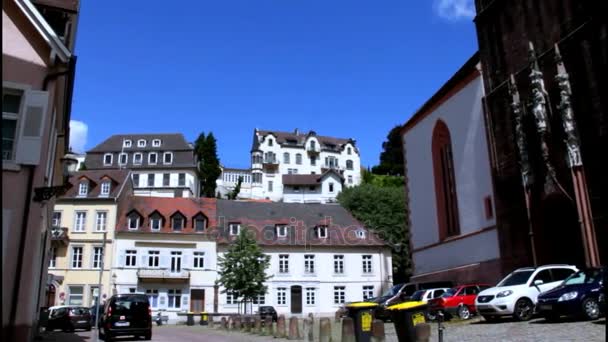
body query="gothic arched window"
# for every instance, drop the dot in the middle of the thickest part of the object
(445, 186)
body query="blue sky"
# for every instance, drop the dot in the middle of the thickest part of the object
(342, 68)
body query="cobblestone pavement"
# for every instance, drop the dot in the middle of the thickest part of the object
(473, 330)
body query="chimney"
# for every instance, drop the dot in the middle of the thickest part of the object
(296, 132)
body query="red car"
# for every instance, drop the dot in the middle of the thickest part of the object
(457, 301)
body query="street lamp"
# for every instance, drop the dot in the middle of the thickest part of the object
(114, 284)
(69, 163)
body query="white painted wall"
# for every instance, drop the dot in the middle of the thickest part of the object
(142, 188)
(463, 114)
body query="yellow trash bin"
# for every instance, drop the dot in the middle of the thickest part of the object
(406, 316)
(362, 315)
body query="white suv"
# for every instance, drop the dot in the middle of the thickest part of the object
(517, 293)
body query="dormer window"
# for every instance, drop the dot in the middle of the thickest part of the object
(321, 232)
(156, 143)
(133, 220)
(199, 223)
(126, 143)
(313, 145)
(281, 230)
(107, 159)
(167, 158)
(105, 188)
(235, 229)
(360, 233)
(122, 159)
(178, 222)
(269, 142)
(156, 221)
(141, 143)
(83, 189)
(349, 150)
(137, 157)
(152, 158)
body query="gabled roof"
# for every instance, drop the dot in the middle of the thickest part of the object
(298, 138)
(45, 30)
(97, 177)
(169, 142)
(261, 219)
(300, 179)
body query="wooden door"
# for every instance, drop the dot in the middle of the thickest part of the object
(296, 299)
(197, 300)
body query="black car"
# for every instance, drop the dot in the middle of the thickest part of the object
(126, 315)
(401, 293)
(265, 311)
(581, 294)
(69, 318)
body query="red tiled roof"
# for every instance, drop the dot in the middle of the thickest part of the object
(167, 206)
(95, 177)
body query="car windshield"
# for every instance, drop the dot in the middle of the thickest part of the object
(393, 290)
(449, 293)
(129, 305)
(584, 277)
(418, 295)
(516, 278)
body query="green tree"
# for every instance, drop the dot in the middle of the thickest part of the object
(383, 210)
(242, 269)
(391, 158)
(209, 169)
(234, 193)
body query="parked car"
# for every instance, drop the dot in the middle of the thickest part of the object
(400, 293)
(265, 311)
(517, 293)
(581, 294)
(126, 315)
(68, 318)
(426, 295)
(457, 301)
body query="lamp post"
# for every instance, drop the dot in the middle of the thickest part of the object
(103, 250)
(114, 291)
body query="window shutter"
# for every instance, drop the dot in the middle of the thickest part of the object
(164, 261)
(31, 127)
(185, 301)
(121, 258)
(143, 260)
(187, 260)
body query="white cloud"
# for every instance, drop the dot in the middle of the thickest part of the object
(455, 9)
(78, 135)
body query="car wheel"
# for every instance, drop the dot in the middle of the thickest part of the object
(148, 336)
(591, 309)
(524, 309)
(490, 319)
(464, 312)
(431, 316)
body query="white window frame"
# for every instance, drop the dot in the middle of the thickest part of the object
(56, 222)
(199, 218)
(70, 295)
(141, 143)
(83, 189)
(80, 226)
(281, 296)
(158, 220)
(96, 258)
(183, 222)
(360, 233)
(179, 178)
(339, 295)
(168, 154)
(281, 230)
(156, 143)
(106, 186)
(176, 295)
(13, 89)
(309, 264)
(129, 220)
(331, 187)
(321, 232)
(101, 223)
(310, 294)
(232, 227)
(350, 179)
(120, 157)
(284, 263)
(231, 298)
(367, 264)
(73, 255)
(259, 300)
(155, 156)
(153, 258)
(198, 260)
(111, 159)
(136, 160)
(53, 257)
(127, 143)
(368, 291)
(339, 264)
(152, 297)
(131, 254)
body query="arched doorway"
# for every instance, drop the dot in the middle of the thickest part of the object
(560, 238)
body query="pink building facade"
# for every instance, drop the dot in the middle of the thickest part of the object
(38, 69)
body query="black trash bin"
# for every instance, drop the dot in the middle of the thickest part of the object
(362, 315)
(406, 316)
(190, 320)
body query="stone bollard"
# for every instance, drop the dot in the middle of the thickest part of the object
(224, 322)
(307, 330)
(338, 316)
(280, 332)
(257, 325)
(378, 331)
(348, 329)
(423, 332)
(268, 325)
(247, 320)
(237, 323)
(294, 329)
(324, 330)
(230, 322)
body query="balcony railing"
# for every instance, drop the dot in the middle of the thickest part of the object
(60, 235)
(162, 273)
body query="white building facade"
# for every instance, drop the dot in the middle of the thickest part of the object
(275, 155)
(449, 184)
(162, 165)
